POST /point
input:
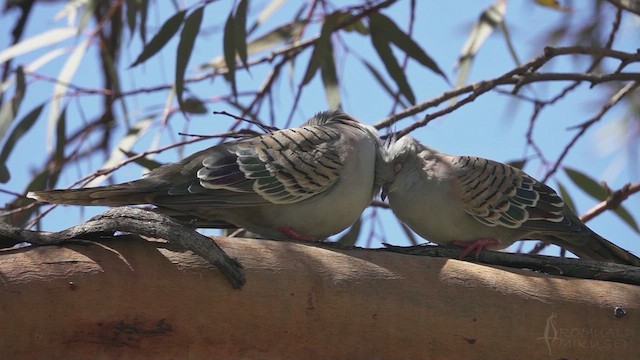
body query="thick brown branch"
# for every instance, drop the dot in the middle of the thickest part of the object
(127, 298)
(135, 221)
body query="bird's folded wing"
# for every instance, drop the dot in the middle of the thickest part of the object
(497, 194)
(284, 167)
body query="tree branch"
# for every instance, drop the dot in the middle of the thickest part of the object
(132, 299)
(628, 5)
(577, 268)
(613, 201)
(135, 221)
(524, 74)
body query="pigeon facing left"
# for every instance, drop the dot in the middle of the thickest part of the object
(478, 203)
(303, 183)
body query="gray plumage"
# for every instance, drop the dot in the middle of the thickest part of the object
(305, 183)
(446, 199)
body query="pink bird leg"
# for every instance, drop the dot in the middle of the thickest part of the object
(294, 234)
(475, 246)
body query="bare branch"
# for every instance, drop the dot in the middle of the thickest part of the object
(628, 5)
(629, 88)
(135, 221)
(613, 201)
(519, 76)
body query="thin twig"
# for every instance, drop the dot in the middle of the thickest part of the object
(264, 127)
(518, 76)
(612, 202)
(621, 94)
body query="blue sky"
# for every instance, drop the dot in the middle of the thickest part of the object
(493, 126)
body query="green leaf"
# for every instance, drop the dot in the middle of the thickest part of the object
(566, 197)
(240, 24)
(161, 38)
(142, 161)
(35, 42)
(61, 138)
(185, 48)
(314, 64)
(350, 238)
(23, 126)
(111, 72)
(330, 80)
(595, 190)
(393, 68)
(587, 184)
(391, 32)
(490, 18)
(144, 8)
(266, 13)
(506, 34)
(269, 40)
(10, 109)
(124, 146)
(276, 36)
(624, 214)
(192, 105)
(64, 78)
(87, 14)
(321, 50)
(229, 51)
(21, 87)
(354, 26)
(132, 14)
(376, 75)
(38, 182)
(328, 65)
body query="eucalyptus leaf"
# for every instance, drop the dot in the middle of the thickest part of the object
(229, 51)
(185, 48)
(391, 64)
(587, 184)
(388, 30)
(22, 128)
(142, 161)
(490, 18)
(65, 77)
(37, 41)
(321, 50)
(9, 109)
(161, 38)
(566, 197)
(240, 24)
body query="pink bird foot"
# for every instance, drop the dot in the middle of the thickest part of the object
(475, 246)
(294, 234)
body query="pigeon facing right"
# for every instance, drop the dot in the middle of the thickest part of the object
(478, 203)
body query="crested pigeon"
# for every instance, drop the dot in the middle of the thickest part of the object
(303, 183)
(478, 203)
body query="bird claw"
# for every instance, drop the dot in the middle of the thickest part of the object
(294, 234)
(475, 246)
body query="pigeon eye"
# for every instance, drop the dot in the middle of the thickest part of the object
(397, 167)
